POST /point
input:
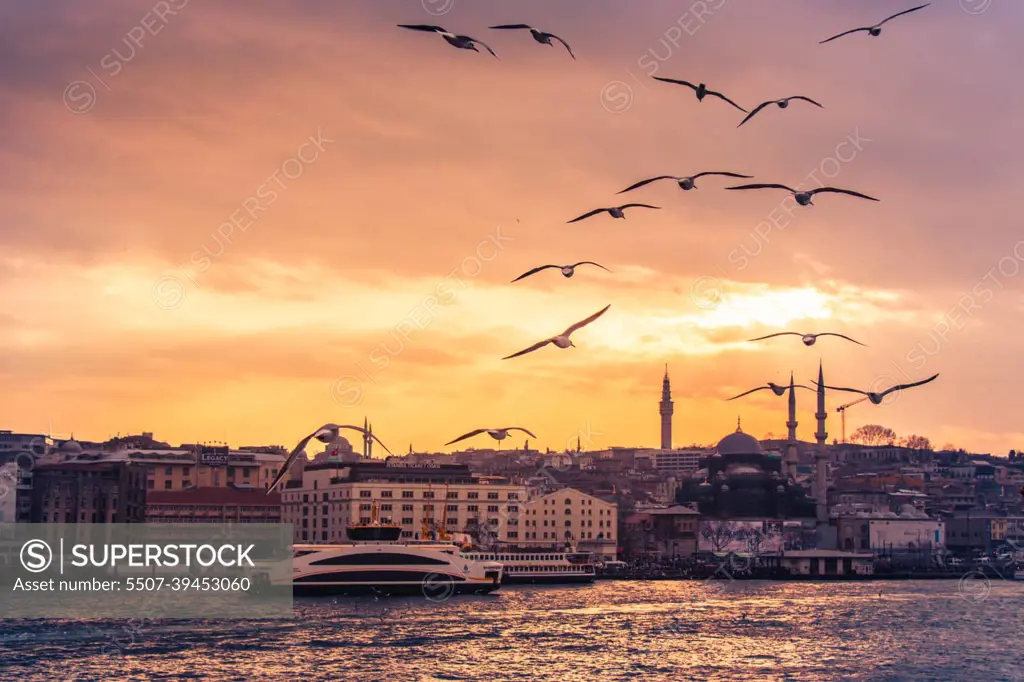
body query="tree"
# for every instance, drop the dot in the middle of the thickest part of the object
(769, 436)
(873, 434)
(719, 534)
(916, 443)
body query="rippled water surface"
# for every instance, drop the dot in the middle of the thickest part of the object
(648, 631)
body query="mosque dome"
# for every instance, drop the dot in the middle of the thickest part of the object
(71, 447)
(739, 443)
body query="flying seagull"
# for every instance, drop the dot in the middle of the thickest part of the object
(459, 41)
(685, 182)
(614, 211)
(701, 90)
(775, 388)
(327, 433)
(804, 198)
(876, 398)
(540, 36)
(808, 339)
(561, 340)
(497, 434)
(877, 28)
(782, 104)
(567, 270)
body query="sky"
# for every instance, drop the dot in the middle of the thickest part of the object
(238, 222)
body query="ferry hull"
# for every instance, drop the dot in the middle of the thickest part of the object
(547, 579)
(406, 590)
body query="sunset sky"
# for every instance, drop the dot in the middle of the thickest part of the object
(399, 184)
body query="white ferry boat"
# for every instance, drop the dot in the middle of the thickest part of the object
(539, 567)
(375, 563)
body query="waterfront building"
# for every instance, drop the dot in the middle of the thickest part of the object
(88, 492)
(969, 530)
(570, 515)
(827, 562)
(213, 505)
(908, 531)
(19, 453)
(329, 495)
(186, 466)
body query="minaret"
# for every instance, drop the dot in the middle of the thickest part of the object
(790, 461)
(666, 410)
(821, 454)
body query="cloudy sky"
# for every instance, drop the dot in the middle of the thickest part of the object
(228, 222)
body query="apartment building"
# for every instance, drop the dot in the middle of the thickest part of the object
(325, 497)
(569, 515)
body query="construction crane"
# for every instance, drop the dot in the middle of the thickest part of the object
(842, 410)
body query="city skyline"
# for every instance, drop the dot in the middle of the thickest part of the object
(122, 308)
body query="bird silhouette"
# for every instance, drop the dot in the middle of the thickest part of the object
(460, 41)
(684, 182)
(876, 398)
(561, 340)
(808, 339)
(777, 389)
(542, 37)
(875, 30)
(567, 270)
(701, 90)
(781, 103)
(804, 197)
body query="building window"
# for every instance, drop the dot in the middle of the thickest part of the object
(492, 508)
(385, 507)
(492, 496)
(513, 496)
(472, 496)
(406, 507)
(364, 493)
(385, 493)
(428, 494)
(407, 494)
(453, 496)
(167, 485)
(406, 520)
(453, 507)
(428, 507)
(169, 470)
(472, 508)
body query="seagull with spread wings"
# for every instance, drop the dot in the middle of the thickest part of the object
(781, 103)
(876, 398)
(328, 433)
(497, 434)
(875, 30)
(804, 198)
(808, 339)
(540, 36)
(561, 340)
(567, 270)
(614, 211)
(454, 39)
(684, 182)
(775, 388)
(701, 90)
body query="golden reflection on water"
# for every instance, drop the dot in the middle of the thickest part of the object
(653, 631)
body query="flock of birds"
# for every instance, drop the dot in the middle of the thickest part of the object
(330, 432)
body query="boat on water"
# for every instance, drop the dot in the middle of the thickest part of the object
(521, 566)
(375, 563)
(531, 567)
(1018, 575)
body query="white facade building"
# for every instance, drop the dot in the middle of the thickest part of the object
(333, 495)
(568, 515)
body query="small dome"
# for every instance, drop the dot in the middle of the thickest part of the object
(71, 447)
(725, 488)
(739, 443)
(780, 489)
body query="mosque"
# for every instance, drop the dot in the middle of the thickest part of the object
(740, 480)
